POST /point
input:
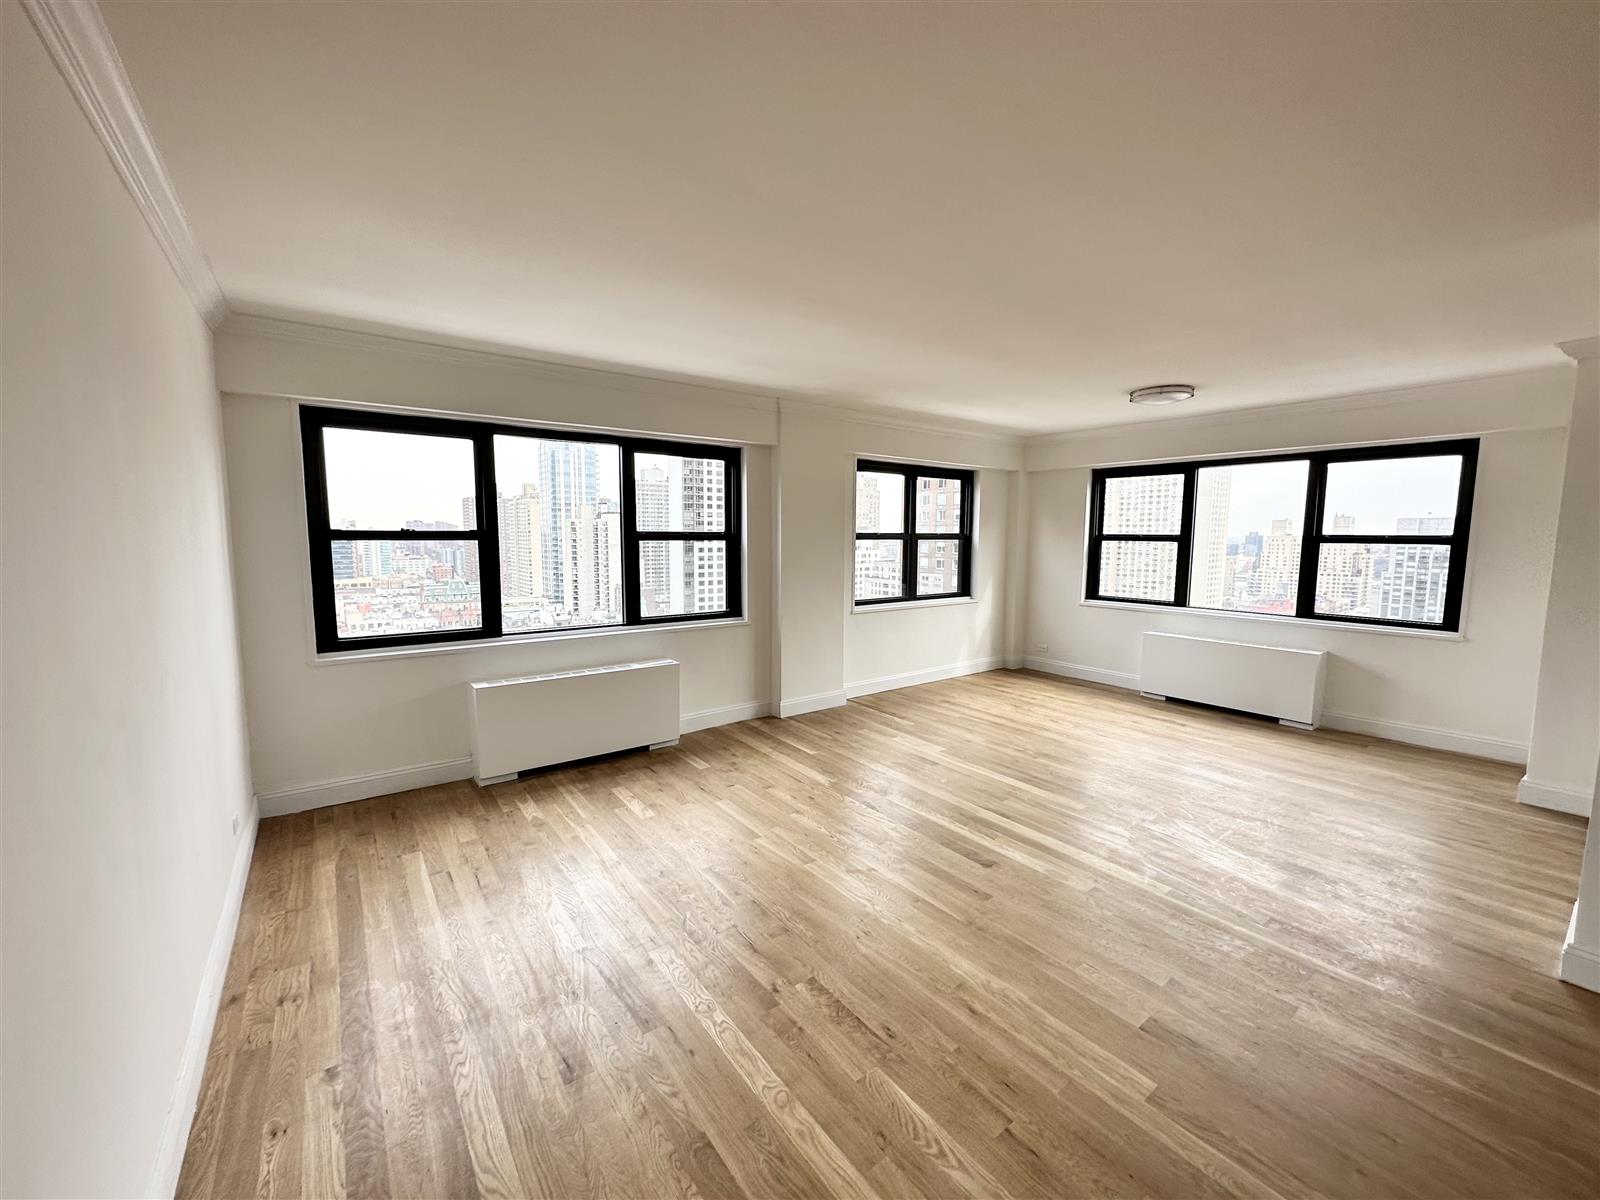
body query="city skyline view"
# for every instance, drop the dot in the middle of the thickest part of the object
(559, 529)
(1247, 537)
(880, 508)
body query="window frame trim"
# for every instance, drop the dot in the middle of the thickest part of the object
(1312, 536)
(908, 535)
(634, 538)
(314, 418)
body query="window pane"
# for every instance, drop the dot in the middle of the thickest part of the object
(385, 587)
(880, 502)
(878, 569)
(381, 480)
(679, 578)
(1387, 496)
(1139, 570)
(1388, 581)
(938, 505)
(1143, 504)
(1247, 522)
(678, 494)
(560, 533)
(938, 566)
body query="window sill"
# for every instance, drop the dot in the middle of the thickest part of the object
(524, 639)
(902, 605)
(1436, 635)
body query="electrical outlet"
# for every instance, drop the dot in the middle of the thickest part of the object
(1042, 647)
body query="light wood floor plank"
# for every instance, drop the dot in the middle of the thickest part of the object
(1000, 936)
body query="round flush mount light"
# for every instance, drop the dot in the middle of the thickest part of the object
(1161, 393)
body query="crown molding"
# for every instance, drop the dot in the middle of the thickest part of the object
(258, 325)
(283, 329)
(76, 37)
(904, 419)
(1580, 349)
(1381, 398)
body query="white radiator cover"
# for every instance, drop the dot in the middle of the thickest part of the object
(1271, 680)
(538, 720)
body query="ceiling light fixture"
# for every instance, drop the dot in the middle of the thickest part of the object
(1161, 393)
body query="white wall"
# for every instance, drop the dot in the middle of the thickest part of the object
(1566, 728)
(1580, 956)
(1473, 693)
(401, 721)
(823, 646)
(325, 731)
(898, 647)
(124, 757)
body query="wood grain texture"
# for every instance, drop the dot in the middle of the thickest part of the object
(1006, 935)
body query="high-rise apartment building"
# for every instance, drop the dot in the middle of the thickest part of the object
(877, 566)
(568, 479)
(344, 560)
(1414, 581)
(652, 498)
(1212, 566)
(522, 531)
(1141, 504)
(1344, 573)
(469, 520)
(1278, 572)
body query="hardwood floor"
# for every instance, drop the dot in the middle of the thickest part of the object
(1004, 935)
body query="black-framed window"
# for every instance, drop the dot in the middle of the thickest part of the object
(1374, 535)
(913, 532)
(433, 529)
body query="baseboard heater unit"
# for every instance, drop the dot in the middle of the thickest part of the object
(1269, 680)
(540, 720)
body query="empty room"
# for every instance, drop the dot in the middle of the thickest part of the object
(787, 600)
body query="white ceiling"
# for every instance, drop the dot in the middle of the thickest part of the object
(1003, 213)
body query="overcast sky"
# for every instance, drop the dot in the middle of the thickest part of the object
(382, 480)
(1376, 492)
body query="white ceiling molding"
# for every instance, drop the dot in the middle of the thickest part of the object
(76, 36)
(1381, 398)
(1540, 399)
(283, 329)
(904, 419)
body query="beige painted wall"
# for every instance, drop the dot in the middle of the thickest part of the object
(124, 757)
(1474, 693)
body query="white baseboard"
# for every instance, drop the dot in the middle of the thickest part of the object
(1549, 795)
(708, 718)
(1579, 964)
(801, 705)
(1426, 735)
(1394, 731)
(1015, 662)
(163, 1179)
(404, 779)
(888, 683)
(362, 787)
(1054, 666)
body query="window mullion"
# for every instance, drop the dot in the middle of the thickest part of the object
(908, 548)
(1305, 603)
(1185, 551)
(490, 593)
(632, 574)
